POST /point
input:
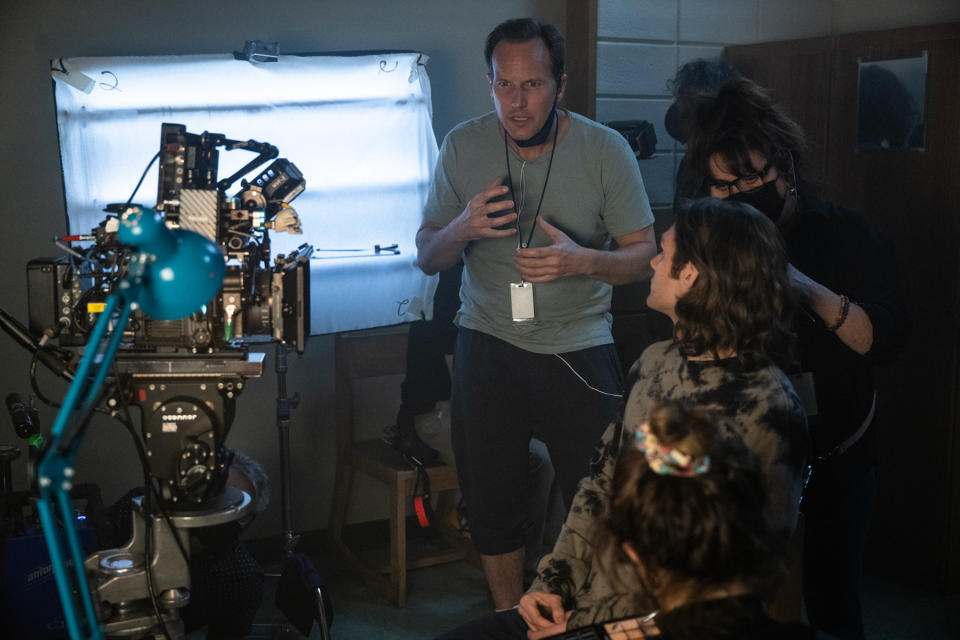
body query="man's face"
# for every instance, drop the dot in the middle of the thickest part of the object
(523, 86)
(666, 289)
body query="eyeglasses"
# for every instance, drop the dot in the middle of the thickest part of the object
(743, 184)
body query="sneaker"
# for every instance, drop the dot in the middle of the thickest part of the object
(410, 444)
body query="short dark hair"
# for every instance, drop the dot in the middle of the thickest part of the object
(708, 527)
(741, 299)
(742, 117)
(524, 30)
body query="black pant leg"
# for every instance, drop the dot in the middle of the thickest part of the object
(838, 505)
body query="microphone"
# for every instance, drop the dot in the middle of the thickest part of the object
(24, 418)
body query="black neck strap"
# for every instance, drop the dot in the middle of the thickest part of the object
(506, 152)
(540, 136)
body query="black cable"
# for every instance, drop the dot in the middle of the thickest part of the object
(148, 555)
(149, 493)
(506, 153)
(70, 447)
(35, 385)
(140, 182)
(34, 382)
(127, 421)
(81, 318)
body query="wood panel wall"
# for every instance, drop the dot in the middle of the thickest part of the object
(581, 94)
(914, 195)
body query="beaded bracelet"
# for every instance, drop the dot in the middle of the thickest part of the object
(842, 317)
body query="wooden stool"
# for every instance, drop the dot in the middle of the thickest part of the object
(365, 355)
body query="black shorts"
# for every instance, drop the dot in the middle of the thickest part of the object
(502, 397)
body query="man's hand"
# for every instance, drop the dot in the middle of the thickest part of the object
(561, 259)
(440, 247)
(543, 612)
(475, 222)
(546, 632)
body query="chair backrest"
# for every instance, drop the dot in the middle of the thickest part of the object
(358, 355)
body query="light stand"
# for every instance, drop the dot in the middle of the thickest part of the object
(291, 566)
(285, 407)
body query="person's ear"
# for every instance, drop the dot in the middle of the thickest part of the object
(688, 276)
(561, 86)
(490, 82)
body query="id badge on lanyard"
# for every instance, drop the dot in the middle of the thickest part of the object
(521, 293)
(521, 301)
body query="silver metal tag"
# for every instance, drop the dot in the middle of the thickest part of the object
(521, 301)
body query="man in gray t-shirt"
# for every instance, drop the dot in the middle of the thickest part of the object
(548, 211)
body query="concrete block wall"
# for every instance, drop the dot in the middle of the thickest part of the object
(641, 44)
(33, 33)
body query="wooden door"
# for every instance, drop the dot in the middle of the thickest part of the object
(914, 195)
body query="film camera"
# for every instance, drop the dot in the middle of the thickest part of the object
(123, 298)
(184, 374)
(258, 300)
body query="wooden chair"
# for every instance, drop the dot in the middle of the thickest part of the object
(365, 355)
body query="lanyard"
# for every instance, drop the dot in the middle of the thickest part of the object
(506, 152)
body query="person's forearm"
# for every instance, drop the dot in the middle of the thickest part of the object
(856, 330)
(438, 248)
(623, 265)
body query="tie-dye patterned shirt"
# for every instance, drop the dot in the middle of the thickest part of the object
(758, 405)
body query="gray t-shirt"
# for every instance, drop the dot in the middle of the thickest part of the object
(594, 193)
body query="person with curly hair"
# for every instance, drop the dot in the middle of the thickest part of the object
(843, 269)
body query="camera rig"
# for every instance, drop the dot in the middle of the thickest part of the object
(188, 370)
(161, 333)
(258, 300)
(255, 299)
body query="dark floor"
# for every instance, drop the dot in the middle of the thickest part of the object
(442, 597)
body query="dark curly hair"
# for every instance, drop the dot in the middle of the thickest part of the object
(524, 30)
(708, 528)
(742, 117)
(741, 299)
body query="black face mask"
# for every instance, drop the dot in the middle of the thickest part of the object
(540, 136)
(764, 199)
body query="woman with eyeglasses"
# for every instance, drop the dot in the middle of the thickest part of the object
(844, 271)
